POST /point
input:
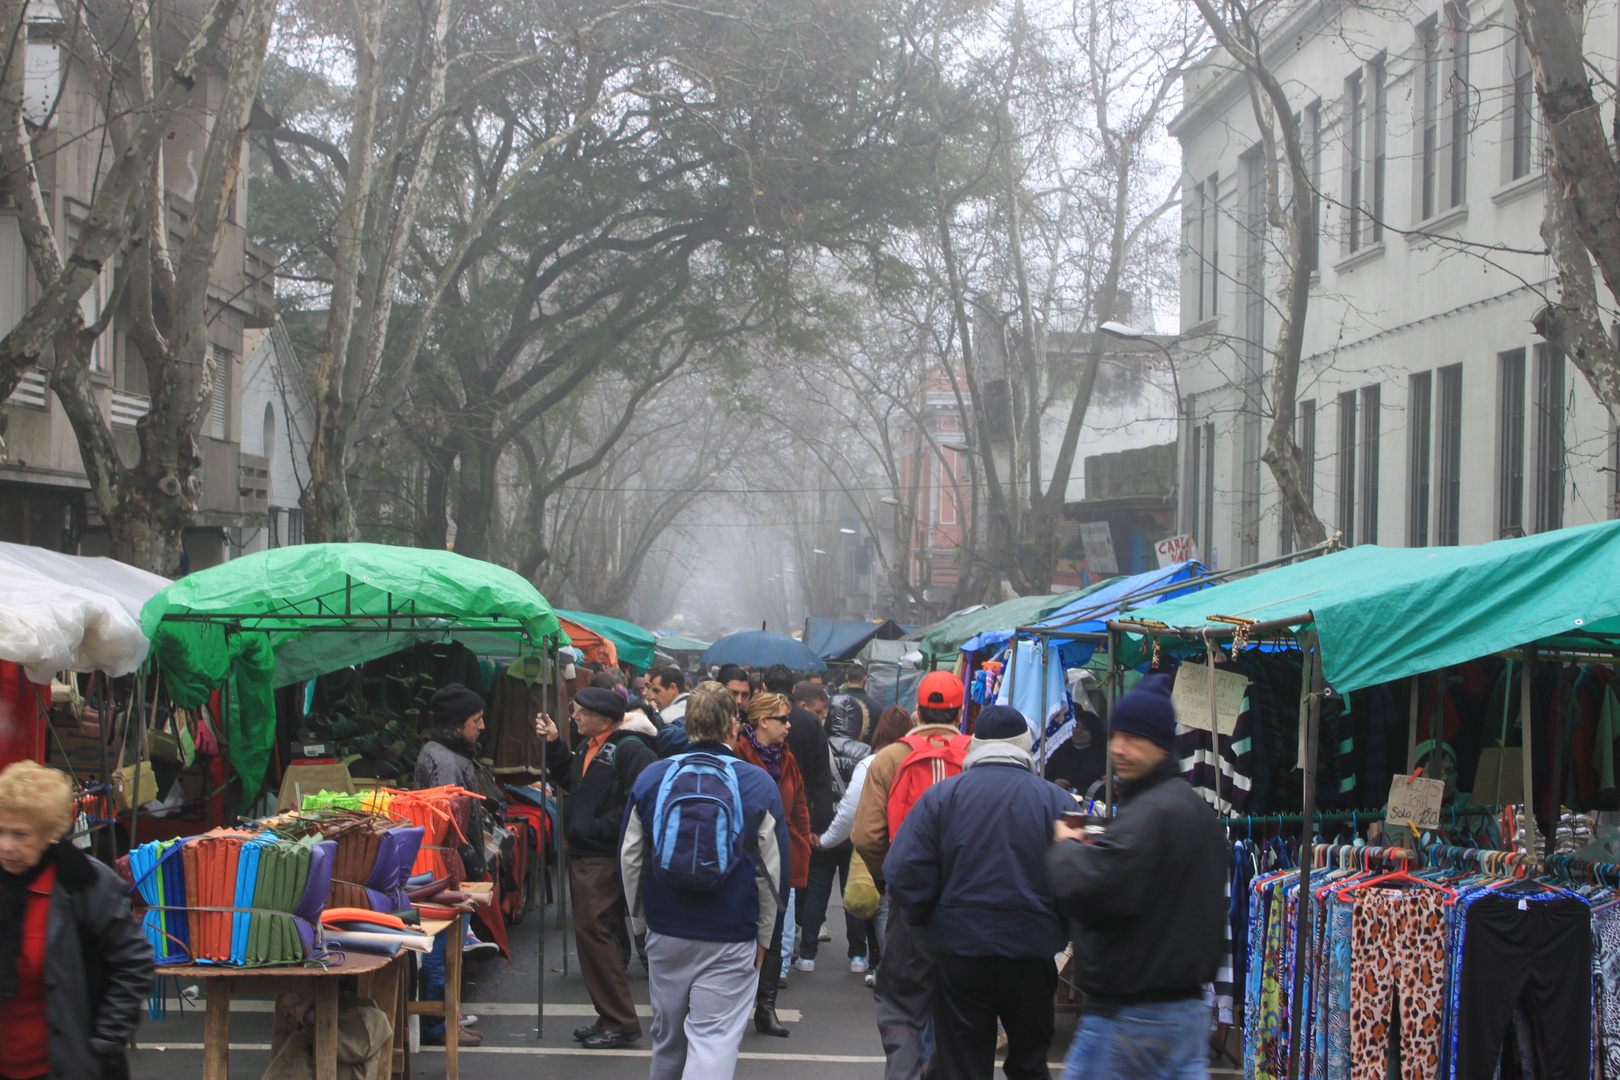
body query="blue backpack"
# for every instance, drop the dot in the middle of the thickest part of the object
(697, 824)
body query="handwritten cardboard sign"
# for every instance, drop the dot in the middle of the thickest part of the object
(1098, 539)
(1190, 696)
(1175, 549)
(1417, 801)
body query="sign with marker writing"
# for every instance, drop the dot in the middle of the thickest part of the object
(1417, 800)
(1175, 549)
(1098, 539)
(1190, 696)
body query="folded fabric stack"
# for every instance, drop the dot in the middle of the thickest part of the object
(444, 815)
(234, 897)
(373, 861)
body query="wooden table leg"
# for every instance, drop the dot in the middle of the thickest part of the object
(452, 1000)
(326, 1022)
(383, 987)
(217, 1030)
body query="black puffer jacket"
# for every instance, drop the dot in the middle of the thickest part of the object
(98, 970)
(1148, 898)
(844, 723)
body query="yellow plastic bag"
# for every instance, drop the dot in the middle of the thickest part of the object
(861, 897)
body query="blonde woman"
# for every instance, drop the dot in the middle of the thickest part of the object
(75, 967)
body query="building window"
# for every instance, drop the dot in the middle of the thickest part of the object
(219, 407)
(1549, 438)
(1459, 93)
(1448, 465)
(1378, 103)
(1347, 466)
(1305, 437)
(1419, 395)
(1369, 464)
(1206, 538)
(1428, 119)
(1524, 103)
(1354, 156)
(1510, 444)
(1207, 247)
(1195, 475)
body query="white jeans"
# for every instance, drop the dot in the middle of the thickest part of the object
(701, 993)
(790, 930)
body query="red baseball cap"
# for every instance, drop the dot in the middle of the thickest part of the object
(940, 690)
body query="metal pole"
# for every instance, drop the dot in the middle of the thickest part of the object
(545, 876)
(1046, 671)
(1411, 724)
(562, 840)
(1302, 933)
(1524, 730)
(1112, 683)
(1012, 672)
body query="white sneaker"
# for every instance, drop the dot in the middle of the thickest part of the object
(823, 935)
(870, 978)
(858, 965)
(802, 964)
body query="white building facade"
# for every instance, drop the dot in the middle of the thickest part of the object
(1430, 412)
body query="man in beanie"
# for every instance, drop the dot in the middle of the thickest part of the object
(598, 775)
(968, 868)
(1148, 903)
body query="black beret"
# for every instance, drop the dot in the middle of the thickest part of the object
(606, 703)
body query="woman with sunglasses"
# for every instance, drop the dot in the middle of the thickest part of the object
(762, 741)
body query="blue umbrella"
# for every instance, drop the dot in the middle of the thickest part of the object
(761, 649)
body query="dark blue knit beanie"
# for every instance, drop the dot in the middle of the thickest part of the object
(1146, 711)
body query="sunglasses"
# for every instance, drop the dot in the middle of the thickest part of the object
(784, 718)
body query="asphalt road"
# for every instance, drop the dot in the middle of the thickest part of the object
(828, 1011)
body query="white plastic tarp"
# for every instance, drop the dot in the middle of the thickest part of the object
(68, 612)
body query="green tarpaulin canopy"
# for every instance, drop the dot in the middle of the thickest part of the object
(1386, 613)
(681, 643)
(942, 641)
(634, 645)
(315, 608)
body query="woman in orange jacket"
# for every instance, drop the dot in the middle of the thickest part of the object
(762, 741)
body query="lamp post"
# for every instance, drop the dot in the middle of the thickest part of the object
(1130, 333)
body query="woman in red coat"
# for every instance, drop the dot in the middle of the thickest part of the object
(762, 741)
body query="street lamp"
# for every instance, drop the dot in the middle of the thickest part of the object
(889, 500)
(848, 532)
(817, 551)
(960, 448)
(1130, 333)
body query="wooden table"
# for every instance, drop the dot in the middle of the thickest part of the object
(380, 980)
(483, 894)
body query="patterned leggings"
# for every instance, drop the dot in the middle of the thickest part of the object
(1606, 985)
(1398, 948)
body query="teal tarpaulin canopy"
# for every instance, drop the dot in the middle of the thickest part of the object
(634, 645)
(942, 641)
(280, 616)
(1386, 613)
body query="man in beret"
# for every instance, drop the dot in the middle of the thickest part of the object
(599, 773)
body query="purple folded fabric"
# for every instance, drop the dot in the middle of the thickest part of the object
(396, 854)
(316, 886)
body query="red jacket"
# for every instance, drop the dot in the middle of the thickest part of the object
(793, 801)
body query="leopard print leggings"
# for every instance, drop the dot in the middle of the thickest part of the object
(1398, 949)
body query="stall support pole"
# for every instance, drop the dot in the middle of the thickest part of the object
(1012, 673)
(1046, 661)
(545, 875)
(1411, 724)
(562, 841)
(1112, 681)
(1525, 678)
(1302, 932)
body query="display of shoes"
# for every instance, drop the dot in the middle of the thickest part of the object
(804, 964)
(858, 965)
(611, 1040)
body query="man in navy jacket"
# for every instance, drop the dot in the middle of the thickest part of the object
(704, 948)
(969, 864)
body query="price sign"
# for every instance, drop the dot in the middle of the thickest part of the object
(1190, 696)
(1416, 800)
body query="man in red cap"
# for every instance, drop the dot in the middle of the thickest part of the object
(903, 997)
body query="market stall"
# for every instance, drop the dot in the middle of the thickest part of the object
(1500, 653)
(631, 644)
(372, 631)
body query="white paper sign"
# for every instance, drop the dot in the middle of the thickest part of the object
(1098, 539)
(1190, 696)
(1415, 800)
(1175, 549)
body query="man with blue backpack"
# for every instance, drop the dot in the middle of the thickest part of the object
(704, 859)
